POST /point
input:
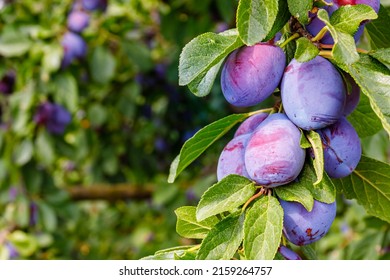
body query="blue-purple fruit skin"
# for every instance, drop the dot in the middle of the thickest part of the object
(273, 155)
(74, 47)
(252, 73)
(288, 254)
(231, 159)
(353, 96)
(77, 21)
(302, 227)
(342, 148)
(313, 93)
(53, 116)
(250, 124)
(92, 5)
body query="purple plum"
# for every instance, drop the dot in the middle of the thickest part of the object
(250, 124)
(231, 160)
(251, 74)
(273, 155)
(74, 48)
(288, 254)
(7, 83)
(353, 96)
(92, 5)
(313, 93)
(78, 21)
(342, 148)
(375, 4)
(53, 116)
(302, 227)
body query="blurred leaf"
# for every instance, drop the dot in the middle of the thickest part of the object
(44, 149)
(203, 53)
(97, 114)
(223, 240)
(309, 252)
(369, 184)
(51, 60)
(300, 9)
(22, 212)
(23, 152)
(189, 227)
(102, 65)
(378, 30)
(24, 243)
(263, 229)
(305, 50)
(226, 195)
(14, 43)
(203, 139)
(47, 216)
(255, 19)
(366, 248)
(67, 92)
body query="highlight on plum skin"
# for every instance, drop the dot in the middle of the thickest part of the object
(313, 93)
(251, 74)
(302, 227)
(231, 160)
(342, 148)
(273, 155)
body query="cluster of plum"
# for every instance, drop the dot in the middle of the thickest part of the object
(315, 95)
(72, 42)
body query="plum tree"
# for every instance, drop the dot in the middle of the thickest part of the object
(342, 148)
(302, 227)
(252, 73)
(273, 156)
(310, 100)
(53, 116)
(288, 254)
(231, 160)
(77, 21)
(250, 124)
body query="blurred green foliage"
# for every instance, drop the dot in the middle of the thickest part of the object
(129, 121)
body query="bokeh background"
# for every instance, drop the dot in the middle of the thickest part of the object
(87, 137)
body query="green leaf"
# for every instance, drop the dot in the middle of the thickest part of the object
(304, 191)
(263, 229)
(203, 53)
(300, 9)
(369, 184)
(344, 48)
(14, 43)
(255, 19)
(203, 139)
(23, 152)
(226, 195)
(348, 18)
(373, 79)
(309, 252)
(67, 92)
(102, 65)
(306, 50)
(383, 55)
(47, 216)
(44, 148)
(187, 225)
(364, 119)
(169, 254)
(24, 243)
(51, 60)
(303, 142)
(223, 239)
(281, 19)
(379, 31)
(203, 84)
(316, 144)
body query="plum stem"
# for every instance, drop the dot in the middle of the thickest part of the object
(257, 195)
(320, 34)
(326, 54)
(289, 39)
(268, 110)
(359, 50)
(192, 249)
